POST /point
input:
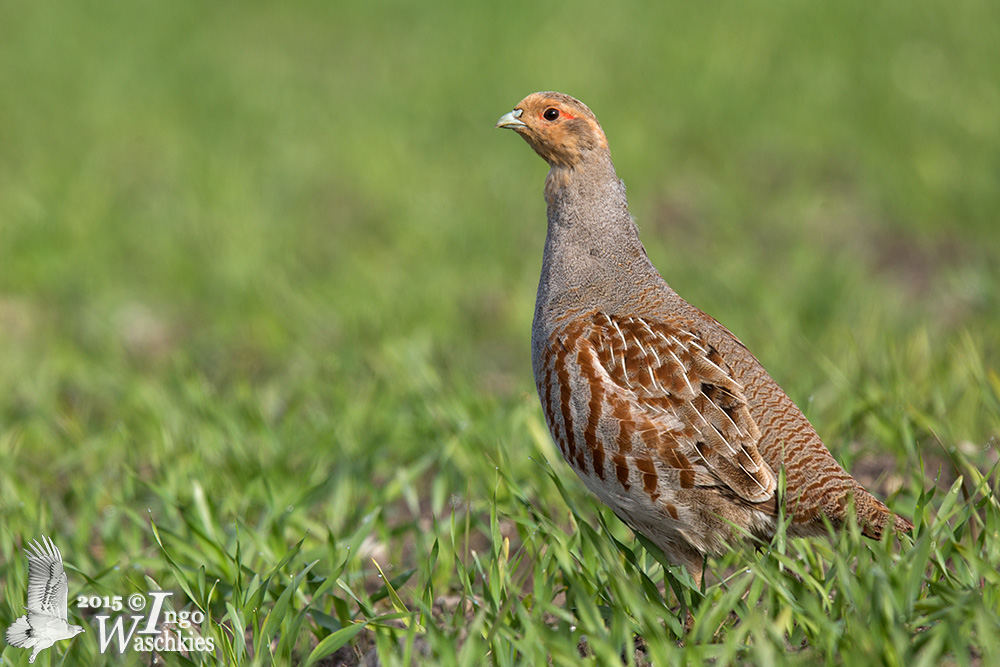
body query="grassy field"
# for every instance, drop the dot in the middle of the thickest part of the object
(266, 282)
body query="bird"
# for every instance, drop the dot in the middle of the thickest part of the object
(45, 623)
(662, 412)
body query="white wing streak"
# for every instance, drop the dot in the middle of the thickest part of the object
(48, 586)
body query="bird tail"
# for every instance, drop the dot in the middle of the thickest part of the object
(19, 634)
(874, 517)
(902, 524)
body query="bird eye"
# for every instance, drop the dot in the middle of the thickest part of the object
(551, 113)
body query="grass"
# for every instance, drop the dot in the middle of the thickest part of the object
(266, 282)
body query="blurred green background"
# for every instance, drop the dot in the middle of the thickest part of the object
(268, 248)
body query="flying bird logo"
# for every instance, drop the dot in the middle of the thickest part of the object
(45, 623)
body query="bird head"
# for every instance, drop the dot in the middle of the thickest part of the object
(76, 630)
(560, 128)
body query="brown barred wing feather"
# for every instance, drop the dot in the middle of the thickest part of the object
(681, 386)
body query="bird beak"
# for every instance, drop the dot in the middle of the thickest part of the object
(511, 120)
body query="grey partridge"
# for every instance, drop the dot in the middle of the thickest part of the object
(662, 412)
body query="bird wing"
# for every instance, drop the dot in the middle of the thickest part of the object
(681, 387)
(48, 586)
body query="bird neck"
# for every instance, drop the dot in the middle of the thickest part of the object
(593, 256)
